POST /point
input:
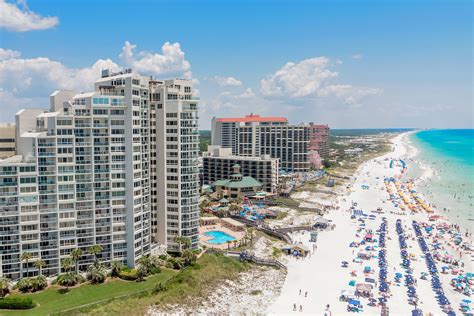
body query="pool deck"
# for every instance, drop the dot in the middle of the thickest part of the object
(203, 239)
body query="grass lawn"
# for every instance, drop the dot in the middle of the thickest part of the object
(193, 282)
(51, 301)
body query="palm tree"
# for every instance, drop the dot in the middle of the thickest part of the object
(96, 273)
(67, 264)
(76, 254)
(234, 208)
(235, 243)
(4, 286)
(145, 263)
(115, 267)
(181, 240)
(40, 264)
(95, 250)
(67, 279)
(26, 256)
(228, 244)
(189, 257)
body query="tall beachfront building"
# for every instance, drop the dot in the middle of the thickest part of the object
(85, 173)
(254, 136)
(319, 139)
(225, 131)
(175, 171)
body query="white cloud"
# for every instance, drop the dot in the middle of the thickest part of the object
(357, 56)
(171, 61)
(311, 78)
(29, 82)
(21, 19)
(298, 79)
(40, 76)
(227, 81)
(350, 95)
(8, 54)
(247, 94)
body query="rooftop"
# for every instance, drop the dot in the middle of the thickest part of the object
(253, 118)
(246, 182)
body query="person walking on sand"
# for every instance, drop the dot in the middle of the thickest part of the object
(301, 308)
(306, 294)
(300, 292)
(327, 311)
(294, 307)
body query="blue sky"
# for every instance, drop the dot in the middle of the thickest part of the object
(346, 63)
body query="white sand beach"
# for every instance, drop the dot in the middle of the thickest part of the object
(321, 274)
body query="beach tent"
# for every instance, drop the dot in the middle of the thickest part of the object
(352, 282)
(354, 302)
(364, 287)
(321, 223)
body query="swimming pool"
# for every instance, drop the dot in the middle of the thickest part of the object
(218, 237)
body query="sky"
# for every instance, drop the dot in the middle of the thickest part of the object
(349, 64)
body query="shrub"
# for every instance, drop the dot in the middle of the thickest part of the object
(163, 257)
(176, 263)
(96, 273)
(142, 272)
(115, 267)
(128, 274)
(69, 279)
(24, 285)
(154, 270)
(16, 302)
(4, 286)
(39, 283)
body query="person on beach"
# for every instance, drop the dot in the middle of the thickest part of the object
(306, 294)
(301, 308)
(327, 311)
(294, 307)
(300, 292)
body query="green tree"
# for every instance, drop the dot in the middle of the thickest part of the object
(4, 286)
(115, 268)
(141, 272)
(228, 242)
(145, 262)
(26, 256)
(40, 264)
(67, 264)
(96, 273)
(76, 254)
(327, 163)
(234, 208)
(204, 204)
(189, 257)
(95, 250)
(67, 279)
(181, 240)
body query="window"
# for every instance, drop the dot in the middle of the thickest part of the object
(100, 112)
(100, 100)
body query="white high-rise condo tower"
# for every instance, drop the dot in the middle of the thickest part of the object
(115, 167)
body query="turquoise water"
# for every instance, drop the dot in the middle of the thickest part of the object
(451, 154)
(219, 237)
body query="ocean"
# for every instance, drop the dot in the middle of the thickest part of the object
(451, 154)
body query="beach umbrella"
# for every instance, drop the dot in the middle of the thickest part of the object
(352, 283)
